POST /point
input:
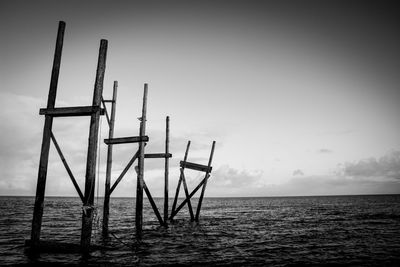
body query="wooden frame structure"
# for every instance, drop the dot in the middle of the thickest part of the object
(94, 111)
(87, 197)
(197, 167)
(140, 155)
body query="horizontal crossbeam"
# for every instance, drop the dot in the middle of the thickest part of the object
(71, 111)
(195, 166)
(158, 155)
(125, 140)
(108, 101)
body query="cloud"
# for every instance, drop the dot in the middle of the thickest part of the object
(298, 172)
(324, 151)
(387, 166)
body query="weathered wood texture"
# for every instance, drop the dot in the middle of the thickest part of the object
(166, 169)
(44, 154)
(195, 166)
(126, 140)
(78, 190)
(140, 176)
(205, 182)
(107, 193)
(71, 111)
(157, 156)
(87, 214)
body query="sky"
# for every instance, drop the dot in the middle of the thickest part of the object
(301, 97)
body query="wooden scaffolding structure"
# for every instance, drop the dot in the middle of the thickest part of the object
(97, 109)
(140, 155)
(94, 111)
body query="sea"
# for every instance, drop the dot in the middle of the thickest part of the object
(362, 230)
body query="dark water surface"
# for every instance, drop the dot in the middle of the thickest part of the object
(277, 231)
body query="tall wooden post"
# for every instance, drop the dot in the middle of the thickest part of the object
(106, 207)
(140, 176)
(44, 154)
(205, 182)
(166, 170)
(87, 214)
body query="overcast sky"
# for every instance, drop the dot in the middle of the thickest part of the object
(302, 97)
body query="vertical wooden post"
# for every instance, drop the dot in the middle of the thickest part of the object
(140, 176)
(44, 154)
(205, 183)
(166, 170)
(87, 214)
(106, 207)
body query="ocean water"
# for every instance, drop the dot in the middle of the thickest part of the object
(273, 231)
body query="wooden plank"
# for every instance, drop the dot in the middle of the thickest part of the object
(90, 178)
(190, 196)
(126, 140)
(205, 182)
(195, 166)
(44, 153)
(176, 196)
(187, 195)
(166, 170)
(179, 183)
(157, 156)
(106, 206)
(124, 171)
(71, 176)
(153, 204)
(105, 110)
(71, 111)
(140, 176)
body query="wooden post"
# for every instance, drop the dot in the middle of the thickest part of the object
(106, 207)
(182, 180)
(205, 183)
(44, 154)
(166, 171)
(87, 214)
(140, 176)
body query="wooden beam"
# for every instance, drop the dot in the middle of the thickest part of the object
(158, 156)
(90, 178)
(126, 140)
(71, 111)
(124, 171)
(178, 187)
(71, 176)
(195, 166)
(205, 182)
(190, 196)
(153, 204)
(179, 183)
(109, 101)
(140, 176)
(105, 110)
(187, 195)
(166, 169)
(44, 153)
(107, 193)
